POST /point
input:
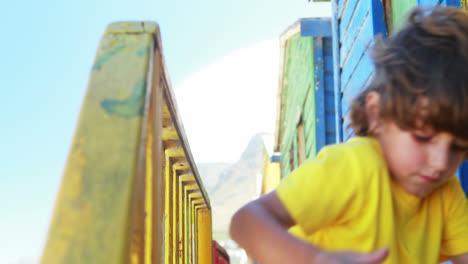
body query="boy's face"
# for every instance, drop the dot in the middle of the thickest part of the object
(420, 160)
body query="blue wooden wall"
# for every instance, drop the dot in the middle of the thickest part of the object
(324, 92)
(355, 24)
(321, 30)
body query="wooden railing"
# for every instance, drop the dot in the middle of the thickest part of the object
(130, 192)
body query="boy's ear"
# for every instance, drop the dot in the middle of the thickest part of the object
(372, 111)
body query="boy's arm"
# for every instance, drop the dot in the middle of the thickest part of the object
(260, 227)
(460, 259)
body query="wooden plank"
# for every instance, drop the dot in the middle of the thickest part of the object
(347, 133)
(356, 40)
(463, 175)
(184, 180)
(336, 71)
(192, 195)
(338, 7)
(346, 109)
(284, 47)
(387, 5)
(325, 97)
(320, 126)
(454, 3)
(378, 17)
(428, 2)
(363, 16)
(71, 241)
(182, 177)
(155, 186)
(179, 168)
(309, 121)
(329, 99)
(285, 164)
(400, 9)
(357, 81)
(315, 27)
(301, 152)
(91, 221)
(172, 106)
(297, 83)
(373, 25)
(349, 13)
(360, 48)
(186, 227)
(205, 236)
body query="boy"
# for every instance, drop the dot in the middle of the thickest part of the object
(390, 194)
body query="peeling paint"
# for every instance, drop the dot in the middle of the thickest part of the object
(130, 107)
(104, 58)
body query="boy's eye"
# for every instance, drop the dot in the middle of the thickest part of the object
(459, 148)
(421, 138)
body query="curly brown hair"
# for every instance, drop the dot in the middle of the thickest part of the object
(426, 61)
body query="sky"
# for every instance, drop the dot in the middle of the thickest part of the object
(222, 58)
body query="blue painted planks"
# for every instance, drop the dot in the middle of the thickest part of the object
(463, 175)
(319, 80)
(324, 93)
(329, 94)
(336, 70)
(345, 19)
(378, 17)
(347, 40)
(313, 27)
(360, 47)
(357, 81)
(347, 133)
(357, 29)
(428, 2)
(340, 5)
(455, 3)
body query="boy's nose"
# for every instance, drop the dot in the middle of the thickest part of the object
(439, 157)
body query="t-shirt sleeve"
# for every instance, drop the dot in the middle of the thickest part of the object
(318, 192)
(455, 233)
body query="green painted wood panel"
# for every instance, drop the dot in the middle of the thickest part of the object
(309, 120)
(297, 87)
(399, 11)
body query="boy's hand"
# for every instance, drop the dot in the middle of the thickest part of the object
(348, 257)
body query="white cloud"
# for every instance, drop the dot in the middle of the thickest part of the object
(26, 260)
(224, 104)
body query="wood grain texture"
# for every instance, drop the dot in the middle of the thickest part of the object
(122, 197)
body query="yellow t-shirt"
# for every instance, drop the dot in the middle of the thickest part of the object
(345, 199)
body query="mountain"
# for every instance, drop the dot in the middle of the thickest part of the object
(230, 186)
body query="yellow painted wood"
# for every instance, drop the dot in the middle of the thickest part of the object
(271, 174)
(131, 192)
(92, 219)
(168, 212)
(188, 227)
(172, 156)
(180, 170)
(175, 234)
(204, 236)
(169, 134)
(184, 180)
(196, 204)
(156, 255)
(195, 194)
(180, 239)
(149, 219)
(196, 229)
